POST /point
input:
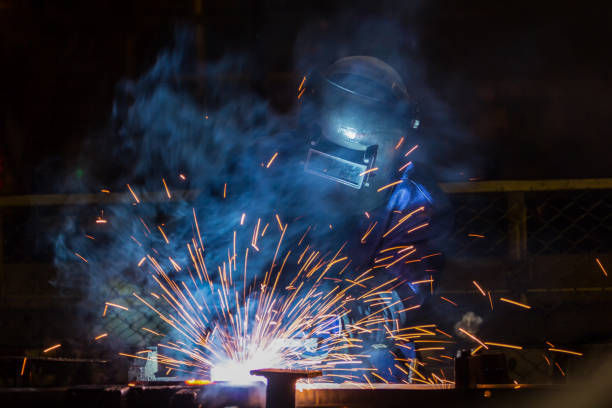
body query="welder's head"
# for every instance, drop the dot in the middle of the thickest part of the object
(358, 111)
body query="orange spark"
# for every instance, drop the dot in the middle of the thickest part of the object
(271, 160)
(448, 300)
(100, 336)
(565, 351)
(561, 370)
(163, 234)
(479, 288)
(363, 173)
(490, 301)
(166, 187)
(280, 224)
(105, 191)
(399, 143)
(411, 150)
(601, 266)
(133, 194)
(116, 305)
(90, 237)
(395, 183)
(515, 303)
(368, 231)
(470, 335)
(152, 332)
(302, 83)
(101, 220)
(52, 348)
(23, 365)
(301, 93)
(417, 227)
(503, 345)
(141, 261)
(444, 333)
(476, 235)
(242, 218)
(81, 257)
(224, 190)
(404, 166)
(367, 214)
(182, 176)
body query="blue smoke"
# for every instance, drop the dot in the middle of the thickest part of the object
(161, 129)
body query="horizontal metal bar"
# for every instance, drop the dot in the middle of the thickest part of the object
(499, 186)
(503, 186)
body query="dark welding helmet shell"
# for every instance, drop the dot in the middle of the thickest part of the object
(362, 111)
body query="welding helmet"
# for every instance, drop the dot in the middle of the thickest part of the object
(360, 114)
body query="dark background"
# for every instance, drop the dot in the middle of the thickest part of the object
(529, 81)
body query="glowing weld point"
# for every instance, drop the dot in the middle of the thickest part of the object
(193, 381)
(101, 220)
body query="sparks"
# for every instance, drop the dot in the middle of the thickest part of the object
(133, 194)
(84, 260)
(166, 187)
(470, 335)
(395, 183)
(479, 288)
(23, 365)
(271, 160)
(52, 348)
(363, 173)
(411, 150)
(101, 336)
(163, 234)
(601, 266)
(116, 305)
(575, 353)
(515, 303)
(476, 236)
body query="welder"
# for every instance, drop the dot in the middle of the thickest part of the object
(360, 125)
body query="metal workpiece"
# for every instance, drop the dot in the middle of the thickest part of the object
(280, 391)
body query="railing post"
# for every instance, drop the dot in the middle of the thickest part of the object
(517, 226)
